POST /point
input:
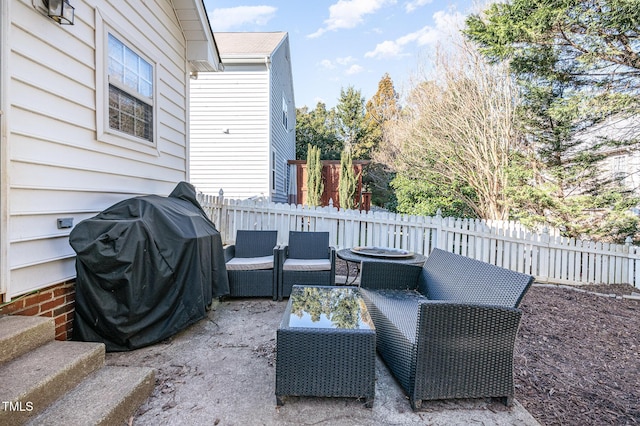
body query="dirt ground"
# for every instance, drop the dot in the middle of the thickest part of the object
(577, 359)
(578, 356)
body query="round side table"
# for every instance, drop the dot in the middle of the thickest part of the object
(350, 257)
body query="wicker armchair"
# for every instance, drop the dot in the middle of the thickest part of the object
(307, 259)
(252, 264)
(446, 330)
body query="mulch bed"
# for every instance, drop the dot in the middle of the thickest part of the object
(577, 359)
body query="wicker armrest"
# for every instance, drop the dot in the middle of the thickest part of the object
(388, 275)
(229, 252)
(465, 350)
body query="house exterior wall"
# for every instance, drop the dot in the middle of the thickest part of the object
(622, 162)
(283, 130)
(57, 162)
(234, 101)
(238, 142)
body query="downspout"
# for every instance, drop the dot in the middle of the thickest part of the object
(4, 151)
(270, 147)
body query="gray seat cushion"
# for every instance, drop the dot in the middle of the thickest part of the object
(250, 263)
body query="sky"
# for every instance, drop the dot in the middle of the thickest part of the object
(336, 44)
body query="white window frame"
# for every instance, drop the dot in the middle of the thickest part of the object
(274, 170)
(285, 113)
(104, 27)
(619, 167)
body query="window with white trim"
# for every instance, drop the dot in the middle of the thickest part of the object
(131, 85)
(618, 167)
(273, 171)
(285, 113)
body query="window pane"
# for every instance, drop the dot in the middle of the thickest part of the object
(116, 70)
(127, 124)
(146, 71)
(116, 49)
(127, 104)
(130, 115)
(128, 68)
(145, 89)
(129, 110)
(131, 80)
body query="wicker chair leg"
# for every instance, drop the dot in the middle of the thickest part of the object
(369, 402)
(416, 404)
(507, 401)
(279, 401)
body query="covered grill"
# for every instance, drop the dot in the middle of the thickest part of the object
(147, 268)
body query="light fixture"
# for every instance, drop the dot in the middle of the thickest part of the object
(60, 11)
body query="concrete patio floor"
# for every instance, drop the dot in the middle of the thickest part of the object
(221, 371)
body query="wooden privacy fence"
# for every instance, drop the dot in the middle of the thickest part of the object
(546, 255)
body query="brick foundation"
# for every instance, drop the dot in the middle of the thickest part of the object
(55, 302)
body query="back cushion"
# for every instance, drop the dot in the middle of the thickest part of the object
(255, 243)
(451, 277)
(308, 245)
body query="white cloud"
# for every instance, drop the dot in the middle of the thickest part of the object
(327, 64)
(346, 65)
(445, 25)
(386, 49)
(349, 14)
(354, 69)
(345, 60)
(229, 18)
(415, 4)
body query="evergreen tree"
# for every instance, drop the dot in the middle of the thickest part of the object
(350, 118)
(315, 187)
(382, 111)
(317, 127)
(577, 63)
(348, 181)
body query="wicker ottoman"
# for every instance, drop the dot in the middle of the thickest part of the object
(326, 345)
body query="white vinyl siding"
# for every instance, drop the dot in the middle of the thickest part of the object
(249, 100)
(283, 138)
(238, 161)
(57, 164)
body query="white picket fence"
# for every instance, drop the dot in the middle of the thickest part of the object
(546, 255)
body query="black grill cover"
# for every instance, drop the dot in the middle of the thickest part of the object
(147, 267)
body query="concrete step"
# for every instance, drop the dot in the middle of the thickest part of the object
(109, 396)
(30, 383)
(20, 334)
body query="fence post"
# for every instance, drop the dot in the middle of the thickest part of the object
(223, 225)
(630, 263)
(543, 265)
(440, 242)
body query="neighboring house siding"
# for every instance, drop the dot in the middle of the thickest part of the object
(237, 162)
(238, 143)
(57, 166)
(622, 162)
(283, 139)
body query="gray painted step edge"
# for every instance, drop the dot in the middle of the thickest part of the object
(21, 334)
(43, 375)
(108, 397)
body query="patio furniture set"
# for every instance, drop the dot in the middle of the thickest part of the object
(258, 267)
(445, 327)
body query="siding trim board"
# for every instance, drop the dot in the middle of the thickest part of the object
(4, 163)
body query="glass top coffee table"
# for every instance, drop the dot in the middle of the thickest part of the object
(326, 345)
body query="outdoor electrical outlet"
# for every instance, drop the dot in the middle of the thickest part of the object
(65, 222)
